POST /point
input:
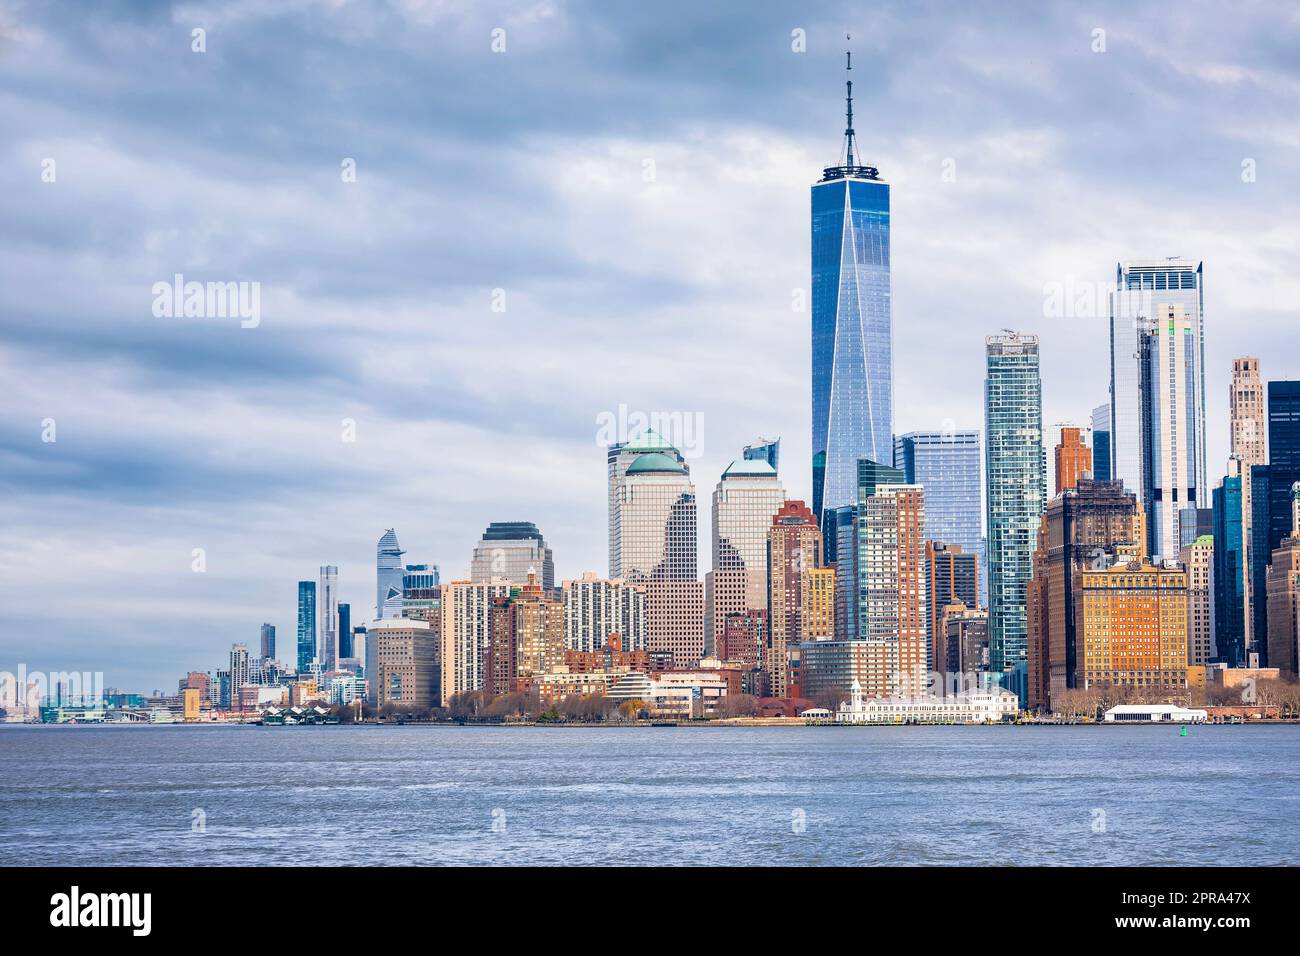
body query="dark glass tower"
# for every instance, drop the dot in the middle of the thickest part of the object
(852, 335)
(1271, 497)
(306, 625)
(1229, 573)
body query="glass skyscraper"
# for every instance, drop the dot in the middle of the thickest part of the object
(1016, 469)
(1229, 572)
(852, 344)
(765, 449)
(1157, 392)
(388, 576)
(948, 466)
(1101, 442)
(306, 625)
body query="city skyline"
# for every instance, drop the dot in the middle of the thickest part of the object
(186, 434)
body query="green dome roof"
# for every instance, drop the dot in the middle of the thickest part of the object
(655, 463)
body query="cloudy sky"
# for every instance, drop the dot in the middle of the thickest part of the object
(630, 181)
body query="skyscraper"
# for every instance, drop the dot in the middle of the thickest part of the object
(1016, 470)
(1230, 571)
(388, 576)
(1157, 385)
(1133, 627)
(655, 521)
(948, 466)
(1101, 442)
(1248, 433)
(1198, 559)
(345, 631)
(747, 496)
(1073, 458)
(1283, 596)
(327, 609)
(765, 449)
(801, 591)
(952, 577)
(619, 456)
(852, 325)
(268, 642)
(595, 608)
(239, 673)
(466, 632)
(1274, 510)
(306, 625)
(511, 550)
(894, 594)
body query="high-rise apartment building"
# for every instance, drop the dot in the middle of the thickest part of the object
(1073, 458)
(674, 615)
(306, 625)
(655, 521)
(747, 496)
(801, 592)
(525, 638)
(894, 594)
(1086, 527)
(1016, 483)
(511, 550)
(239, 672)
(464, 613)
(327, 610)
(1134, 628)
(388, 576)
(1198, 559)
(268, 642)
(596, 607)
(852, 325)
(1157, 372)
(964, 644)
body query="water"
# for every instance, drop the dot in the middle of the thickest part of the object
(741, 796)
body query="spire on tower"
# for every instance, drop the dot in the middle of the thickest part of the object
(849, 158)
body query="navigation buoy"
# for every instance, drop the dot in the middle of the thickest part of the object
(1183, 732)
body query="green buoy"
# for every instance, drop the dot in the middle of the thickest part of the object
(1183, 732)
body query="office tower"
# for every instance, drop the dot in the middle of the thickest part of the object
(894, 596)
(511, 550)
(1087, 526)
(595, 608)
(239, 672)
(1271, 497)
(674, 615)
(465, 633)
(268, 642)
(400, 664)
(843, 522)
(1157, 385)
(1248, 432)
(852, 325)
(801, 592)
(1016, 482)
(1101, 442)
(1230, 571)
(1073, 458)
(327, 609)
(422, 596)
(1198, 559)
(345, 632)
(964, 640)
(948, 466)
(1283, 595)
(952, 577)
(306, 625)
(746, 498)
(388, 576)
(619, 457)
(1134, 628)
(765, 449)
(655, 523)
(1194, 522)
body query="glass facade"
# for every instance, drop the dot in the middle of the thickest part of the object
(388, 576)
(1016, 479)
(1101, 442)
(948, 466)
(852, 336)
(1157, 393)
(1229, 573)
(306, 625)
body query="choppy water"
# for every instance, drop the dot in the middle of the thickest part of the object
(748, 796)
